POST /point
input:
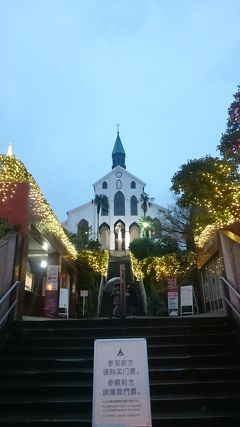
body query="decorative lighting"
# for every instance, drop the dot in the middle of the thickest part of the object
(164, 267)
(12, 173)
(45, 246)
(97, 261)
(43, 263)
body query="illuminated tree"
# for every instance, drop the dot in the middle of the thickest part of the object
(211, 187)
(229, 146)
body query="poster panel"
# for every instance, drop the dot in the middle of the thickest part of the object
(187, 299)
(51, 292)
(172, 297)
(52, 277)
(120, 384)
(173, 303)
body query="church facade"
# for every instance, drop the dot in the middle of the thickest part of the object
(118, 225)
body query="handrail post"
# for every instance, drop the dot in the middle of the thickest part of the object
(17, 299)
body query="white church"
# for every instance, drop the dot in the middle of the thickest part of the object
(119, 224)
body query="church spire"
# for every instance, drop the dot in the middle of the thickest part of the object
(118, 153)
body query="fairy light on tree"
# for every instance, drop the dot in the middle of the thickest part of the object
(216, 198)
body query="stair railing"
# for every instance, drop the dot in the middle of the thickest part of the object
(13, 307)
(226, 283)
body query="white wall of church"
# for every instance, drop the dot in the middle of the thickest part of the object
(86, 212)
(116, 230)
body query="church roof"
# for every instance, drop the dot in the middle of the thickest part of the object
(118, 147)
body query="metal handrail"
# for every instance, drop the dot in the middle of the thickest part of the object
(230, 286)
(236, 311)
(2, 299)
(232, 307)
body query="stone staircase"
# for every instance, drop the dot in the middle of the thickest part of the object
(46, 370)
(114, 271)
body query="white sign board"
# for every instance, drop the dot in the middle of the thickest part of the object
(187, 299)
(120, 383)
(83, 293)
(63, 299)
(173, 303)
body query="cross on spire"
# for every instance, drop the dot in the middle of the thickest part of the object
(118, 125)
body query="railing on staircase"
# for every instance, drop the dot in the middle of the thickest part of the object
(236, 293)
(100, 296)
(5, 312)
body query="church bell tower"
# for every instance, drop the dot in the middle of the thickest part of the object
(118, 153)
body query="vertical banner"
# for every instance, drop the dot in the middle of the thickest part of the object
(120, 383)
(122, 290)
(51, 293)
(172, 297)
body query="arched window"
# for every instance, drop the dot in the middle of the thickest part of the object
(119, 204)
(83, 231)
(133, 184)
(119, 184)
(104, 184)
(133, 205)
(134, 231)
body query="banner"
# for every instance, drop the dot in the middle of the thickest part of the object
(172, 297)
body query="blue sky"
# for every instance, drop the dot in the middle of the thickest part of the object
(70, 70)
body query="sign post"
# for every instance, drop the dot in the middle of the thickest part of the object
(122, 290)
(84, 294)
(120, 383)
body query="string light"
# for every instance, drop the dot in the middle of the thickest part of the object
(222, 208)
(12, 173)
(171, 265)
(97, 261)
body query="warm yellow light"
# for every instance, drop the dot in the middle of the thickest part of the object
(13, 172)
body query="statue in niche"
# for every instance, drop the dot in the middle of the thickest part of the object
(118, 231)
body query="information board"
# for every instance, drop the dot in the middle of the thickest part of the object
(186, 299)
(172, 297)
(64, 300)
(83, 293)
(120, 383)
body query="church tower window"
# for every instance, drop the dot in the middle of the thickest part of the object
(119, 204)
(104, 184)
(133, 184)
(133, 205)
(119, 184)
